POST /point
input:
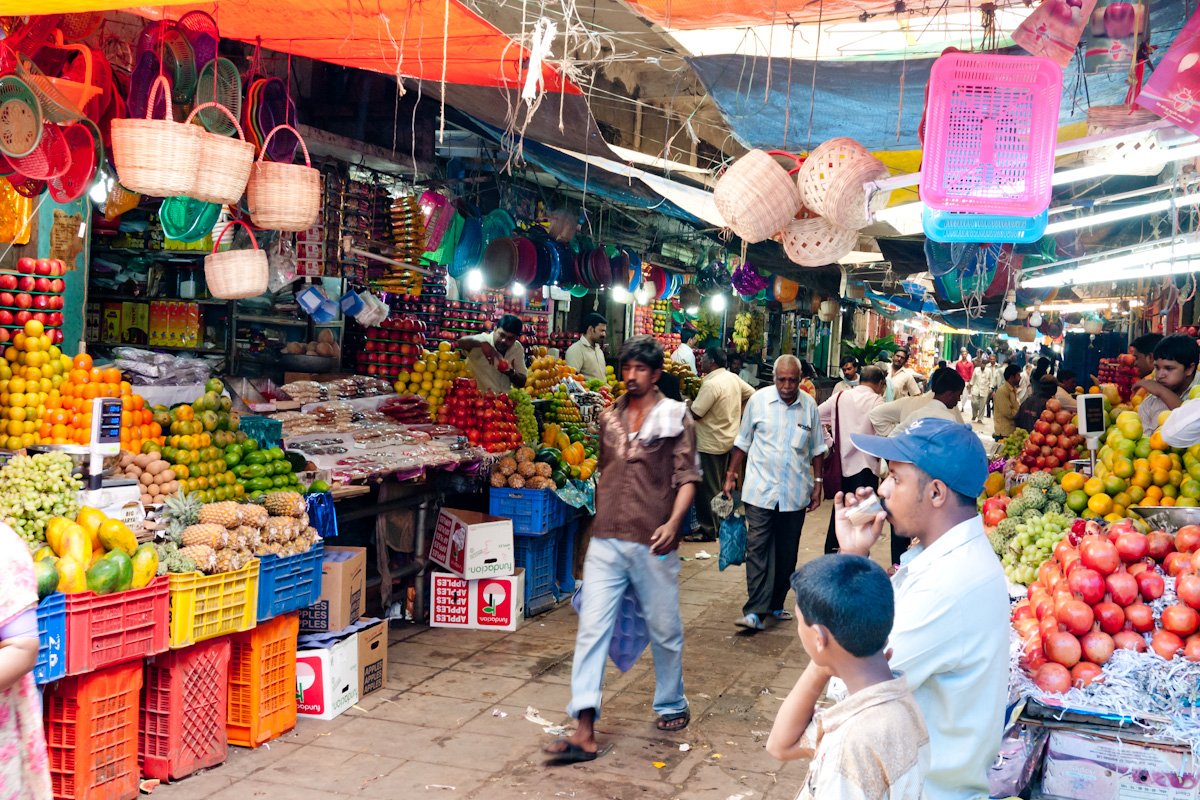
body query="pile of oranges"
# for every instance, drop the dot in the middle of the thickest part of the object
(46, 397)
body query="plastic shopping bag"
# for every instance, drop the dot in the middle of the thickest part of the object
(630, 637)
(732, 538)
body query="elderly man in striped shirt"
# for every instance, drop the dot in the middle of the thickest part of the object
(783, 448)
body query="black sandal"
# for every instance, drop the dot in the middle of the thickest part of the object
(672, 723)
(570, 754)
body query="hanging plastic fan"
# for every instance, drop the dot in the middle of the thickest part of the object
(943, 258)
(31, 37)
(219, 82)
(179, 61)
(271, 108)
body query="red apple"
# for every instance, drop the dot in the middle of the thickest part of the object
(40, 316)
(8, 282)
(41, 302)
(21, 317)
(55, 318)
(26, 265)
(57, 267)
(56, 301)
(42, 266)
(41, 284)
(7, 299)
(57, 285)
(24, 300)
(25, 284)
(6, 317)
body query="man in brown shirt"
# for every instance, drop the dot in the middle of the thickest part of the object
(648, 471)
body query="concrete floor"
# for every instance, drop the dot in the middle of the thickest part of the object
(451, 721)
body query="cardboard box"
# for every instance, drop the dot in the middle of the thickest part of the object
(489, 604)
(343, 586)
(372, 655)
(326, 675)
(473, 545)
(1084, 766)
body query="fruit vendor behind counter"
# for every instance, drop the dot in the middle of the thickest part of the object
(1175, 360)
(496, 359)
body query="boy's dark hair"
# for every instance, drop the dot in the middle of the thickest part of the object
(644, 349)
(686, 335)
(946, 380)
(851, 596)
(1146, 343)
(1178, 347)
(510, 323)
(1010, 370)
(592, 320)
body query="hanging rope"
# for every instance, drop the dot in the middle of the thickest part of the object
(812, 96)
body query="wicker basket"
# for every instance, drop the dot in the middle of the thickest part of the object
(756, 197)
(236, 274)
(225, 162)
(1022, 333)
(157, 157)
(831, 181)
(813, 241)
(284, 197)
(1125, 157)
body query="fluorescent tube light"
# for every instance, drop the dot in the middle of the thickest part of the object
(1118, 214)
(1171, 259)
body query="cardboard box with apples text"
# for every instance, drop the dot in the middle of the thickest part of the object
(490, 604)
(473, 545)
(1082, 766)
(343, 591)
(336, 670)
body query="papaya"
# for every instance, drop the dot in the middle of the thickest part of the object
(104, 577)
(43, 553)
(54, 530)
(145, 565)
(75, 543)
(562, 441)
(46, 572)
(115, 535)
(122, 560)
(72, 577)
(90, 519)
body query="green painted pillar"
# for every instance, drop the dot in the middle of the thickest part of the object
(76, 279)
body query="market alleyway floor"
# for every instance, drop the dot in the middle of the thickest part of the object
(451, 721)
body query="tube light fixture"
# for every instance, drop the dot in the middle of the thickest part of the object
(717, 303)
(1118, 214)
(1174, 258)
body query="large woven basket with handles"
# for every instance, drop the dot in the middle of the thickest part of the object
(1128, 156)
(157, 157)
(236, 274)
(813, 241)
(225, 162)
(756, 197)
(831, 181)
(284, 197)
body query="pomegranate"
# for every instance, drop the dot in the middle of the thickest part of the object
(1084, 674)
(1123, 588)
(1150, 585)
(1180, 620)
(1137, 568)
(1177, 563)
(1110, 616)
(1128, 640)
(1187, 538)
(1132, 547)
(1166, 644)
(1076, 616)
(1048, 626)
(1097, 647)
(1187, 589)
(1087, 584)
(1159, 544)
(1140, 617)
(1052, 678)
(1191, 648)
(1101, 556)
(1063, 648)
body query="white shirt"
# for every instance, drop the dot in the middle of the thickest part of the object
(486, 375)
(904, 382)
(950, 639)
(780, 442)
(587, 359)
(854, 407)
(982, 380)
(684, 355)
(891, 418)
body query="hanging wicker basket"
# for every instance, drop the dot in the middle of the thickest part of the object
(756, 197)
(1126, 157)
(1022, 333)
(225, 162)
(236, 274)
(813, 241)
(831, 181)
(157, 157)
(828, 310)
(1093, 325)
(284, 197)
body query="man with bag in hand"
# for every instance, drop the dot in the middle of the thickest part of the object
(648, 471)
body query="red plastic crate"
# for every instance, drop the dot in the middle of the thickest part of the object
(182, 719)
(92, 734)
(262, 682)
(105, 629)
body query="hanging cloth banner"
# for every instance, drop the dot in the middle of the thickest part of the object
(1054, 29)
(1173, 91)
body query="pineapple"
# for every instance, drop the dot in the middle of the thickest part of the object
(303, 521)
(254, 515)
(225, 561)
(212, 535)
(225, 514)
(250, 535)
(284, 504)
(278, 529)
(180, 512)
(202, 555)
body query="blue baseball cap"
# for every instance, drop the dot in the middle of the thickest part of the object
(948, 451)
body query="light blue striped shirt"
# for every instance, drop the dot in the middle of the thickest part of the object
(780, 442)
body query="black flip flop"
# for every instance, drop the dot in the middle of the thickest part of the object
(664, 722)
(573, 754)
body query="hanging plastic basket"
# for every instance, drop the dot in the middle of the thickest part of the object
(831, 182)
(284, 197)
(992, 121)
(756, 197)
(157, 157)
(813, 241)
(236, 274)
(1126, 157)
(948, 226)
(225, 163)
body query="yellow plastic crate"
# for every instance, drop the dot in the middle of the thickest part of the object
(208, 606)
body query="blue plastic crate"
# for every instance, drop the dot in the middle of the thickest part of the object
(536, 554)
(266, 431)
(52, 639)
(531, 510)
(289, 583)
(564, 571)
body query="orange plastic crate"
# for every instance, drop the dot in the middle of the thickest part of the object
(182, 720)
(262, 682)
(92, 734)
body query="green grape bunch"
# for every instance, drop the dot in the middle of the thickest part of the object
(34, 489)
(1033, 544)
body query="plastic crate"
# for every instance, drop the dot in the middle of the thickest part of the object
(289, 583)
(185, 694)
(52, 639)
(262, 682)
(105, 629)
(531, 510)
(951, 226)
(91, 724)
(564, 562)
(208, 606)
(537, 554)
(264, 430)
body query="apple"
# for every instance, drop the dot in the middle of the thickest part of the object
(8, 282)
(40, 317)
(6, 317)
(25, 266)
(41, 284)
(7, 299)
(56, 301)
(21, 317)
(57, 285)
(24, 300)
(42, 266)
(26, 284)
(41, 302)
(58, 336)
(55, 319)
(57, 267)
(5, 335)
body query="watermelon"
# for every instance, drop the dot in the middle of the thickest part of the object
(46, 572)
(549, 455)
(105, 576)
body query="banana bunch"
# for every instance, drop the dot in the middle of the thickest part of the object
(748, 331)
(708, 326)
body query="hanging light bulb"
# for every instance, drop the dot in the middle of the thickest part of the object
(717, 303)
(518, 290)
(1009, 313)
(473, 280)
(98, 194)
(621, 295)
(642, 296)
(692, 311)
(1035, 319)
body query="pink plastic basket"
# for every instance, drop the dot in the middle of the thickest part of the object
(990, 132)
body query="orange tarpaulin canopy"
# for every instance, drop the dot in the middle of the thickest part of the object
(695, 14)
(406, 37)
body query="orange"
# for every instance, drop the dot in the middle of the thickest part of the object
(1160, 477)
(1160, 461)
(1100, 504)
(82, 361)
(112, 375)
(1153, 494)
(1167, 501)
(138, 401)
(127, 388)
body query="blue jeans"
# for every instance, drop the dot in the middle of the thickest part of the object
(610, 566)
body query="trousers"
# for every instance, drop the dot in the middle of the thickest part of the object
(712, 482)
(772, 546)
(978, 406)
(612, 565)
(849, 483)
